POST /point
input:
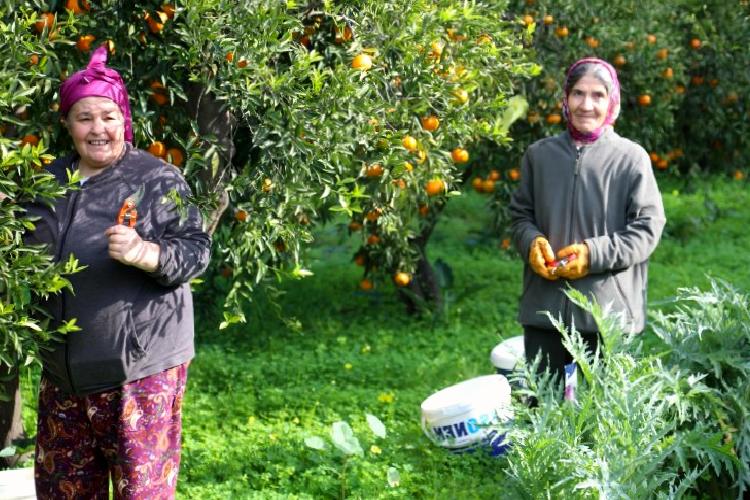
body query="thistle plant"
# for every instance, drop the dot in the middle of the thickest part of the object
(660, 424)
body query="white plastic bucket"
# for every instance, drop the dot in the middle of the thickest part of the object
(458, 417)
(507, 354)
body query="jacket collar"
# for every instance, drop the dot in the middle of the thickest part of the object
(60, 168)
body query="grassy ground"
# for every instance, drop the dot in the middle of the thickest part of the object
(257, 391)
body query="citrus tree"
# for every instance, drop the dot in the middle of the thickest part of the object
(27, 273)
(282, 116)
(681, 67)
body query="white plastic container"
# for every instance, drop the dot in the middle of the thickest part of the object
(507, 354)
(458, 417)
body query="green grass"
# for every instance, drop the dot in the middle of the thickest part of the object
(256, 391)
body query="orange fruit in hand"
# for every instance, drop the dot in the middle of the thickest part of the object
(84, 42)
(46, 20)
(157, 149)
(175, 156)
(644, 100)
(434, 187)
(409, 143)
(362, 62)
(459, 155)
(401, 278)
(430, 123)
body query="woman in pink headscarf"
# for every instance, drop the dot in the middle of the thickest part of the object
(587, 214)
(110, 394)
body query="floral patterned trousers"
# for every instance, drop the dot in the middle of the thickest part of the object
(131, 434)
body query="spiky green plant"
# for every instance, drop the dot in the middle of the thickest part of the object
(643, 425)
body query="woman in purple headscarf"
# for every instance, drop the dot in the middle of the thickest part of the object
(587, 214)
(110, 394)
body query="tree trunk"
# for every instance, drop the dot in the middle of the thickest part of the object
(424, 290)
(214, 119)
(11, 426)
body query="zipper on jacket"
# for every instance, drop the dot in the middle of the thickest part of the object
(579, 155)
(69, 215)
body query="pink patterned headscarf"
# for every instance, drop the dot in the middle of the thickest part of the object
(613, 111)
(100, 81)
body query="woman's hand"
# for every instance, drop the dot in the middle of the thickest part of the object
(126, 246)
(577, 268)
(539, 254)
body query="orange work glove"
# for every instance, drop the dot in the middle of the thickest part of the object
(539, 255)
(576, 268)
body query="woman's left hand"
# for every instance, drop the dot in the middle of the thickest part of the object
(577, 268)
(126, 246)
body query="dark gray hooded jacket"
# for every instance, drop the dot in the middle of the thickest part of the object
(605, 196)
(133, 323)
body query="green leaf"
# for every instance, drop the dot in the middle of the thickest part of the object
(394, 477)
(344, 439)
(376, 425)
(315, 442)
(517, 107)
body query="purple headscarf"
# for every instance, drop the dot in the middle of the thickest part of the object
(100, 81)
(613, 110)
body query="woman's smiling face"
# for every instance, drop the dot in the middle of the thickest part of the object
(97, 127)
(588, 103)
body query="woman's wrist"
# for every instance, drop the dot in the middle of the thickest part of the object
(148, 256)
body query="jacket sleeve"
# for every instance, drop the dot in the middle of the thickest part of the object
(644, 224)
(523, 225)
(185, 248)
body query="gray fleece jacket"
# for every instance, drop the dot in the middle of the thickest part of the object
(133, 323)
(606, 196)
